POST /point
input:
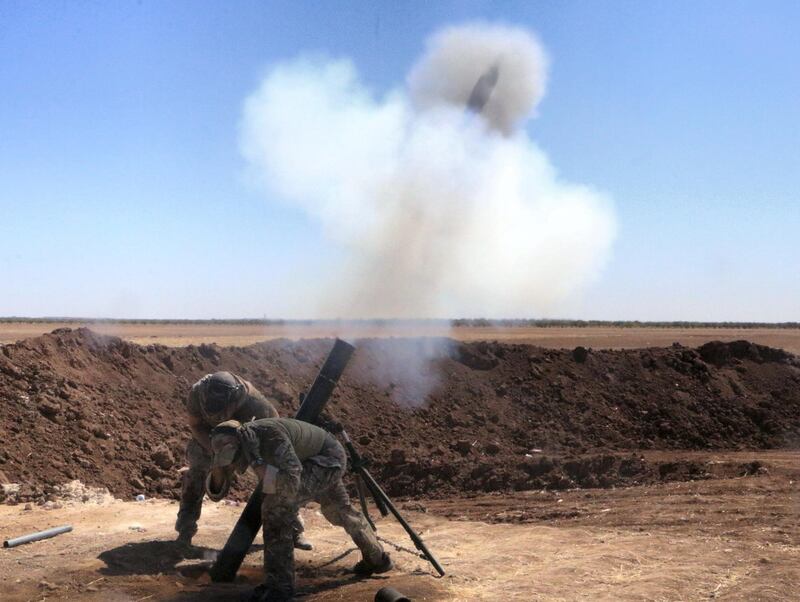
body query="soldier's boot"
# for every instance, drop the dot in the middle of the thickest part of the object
(365, 568)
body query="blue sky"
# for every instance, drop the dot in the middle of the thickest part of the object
(122, 190)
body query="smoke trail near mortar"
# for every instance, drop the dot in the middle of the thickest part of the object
(443, 211)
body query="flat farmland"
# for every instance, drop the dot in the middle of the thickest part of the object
(178, 334)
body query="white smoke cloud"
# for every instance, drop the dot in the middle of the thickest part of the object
(441, 212)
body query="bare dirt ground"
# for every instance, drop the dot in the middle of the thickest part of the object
(231, 334)
(534, 474)
(724, 539)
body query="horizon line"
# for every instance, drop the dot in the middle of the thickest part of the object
(452, 322)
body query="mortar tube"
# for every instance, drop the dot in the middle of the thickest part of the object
(18, 541)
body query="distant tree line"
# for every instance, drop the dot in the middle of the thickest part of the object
(458, 323)
(485, 323)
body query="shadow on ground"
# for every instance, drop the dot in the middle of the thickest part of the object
(324, 587)
(152, 558)
(316, 582)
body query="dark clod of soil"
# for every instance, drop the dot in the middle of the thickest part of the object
(580, 354)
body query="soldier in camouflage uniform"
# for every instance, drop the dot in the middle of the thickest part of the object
(298, 462)
(213, 399)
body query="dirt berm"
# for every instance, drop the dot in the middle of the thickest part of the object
(78, 405)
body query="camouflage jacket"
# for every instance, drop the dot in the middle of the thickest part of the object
(286, 443)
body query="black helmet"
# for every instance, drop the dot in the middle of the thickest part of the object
(221, 392)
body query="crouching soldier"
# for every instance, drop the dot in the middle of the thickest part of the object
(297, 462)
(213, 399)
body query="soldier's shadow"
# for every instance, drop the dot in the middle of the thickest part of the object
(156, 556)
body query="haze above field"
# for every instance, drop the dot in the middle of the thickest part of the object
(124, 192)
(556, 335)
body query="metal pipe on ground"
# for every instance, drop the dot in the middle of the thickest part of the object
(31, 537)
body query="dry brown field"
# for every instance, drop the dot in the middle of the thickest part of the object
(178, 334)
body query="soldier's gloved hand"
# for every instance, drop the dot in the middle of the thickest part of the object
(250, 446)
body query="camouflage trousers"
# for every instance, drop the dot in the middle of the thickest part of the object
(322, 484)
(193, 488)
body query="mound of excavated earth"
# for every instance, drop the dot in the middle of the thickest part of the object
(435, 416)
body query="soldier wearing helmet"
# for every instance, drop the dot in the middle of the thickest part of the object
(213, 399)
(297, 462)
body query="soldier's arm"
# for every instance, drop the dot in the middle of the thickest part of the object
(200, 431)
(255, 406)
(282, 469)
